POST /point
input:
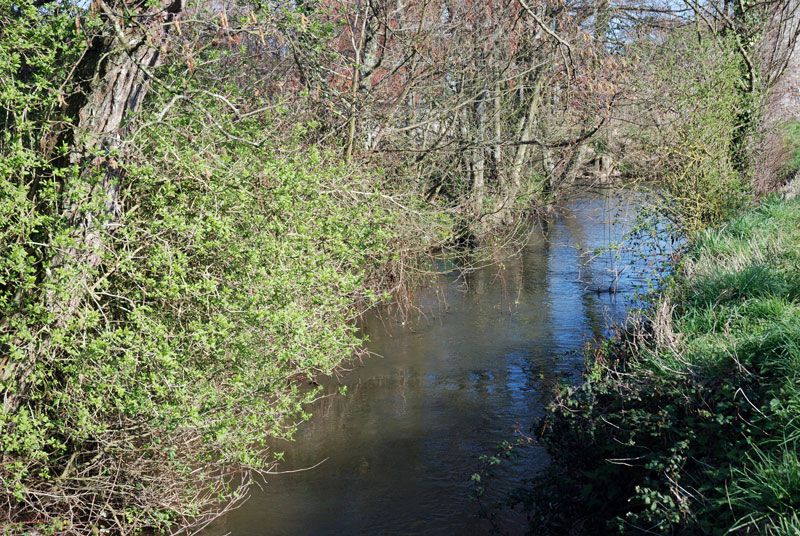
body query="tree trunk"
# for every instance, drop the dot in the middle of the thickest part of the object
(780, 60)
(497, 150)
(524, 139)
(479, 159)
(119, 63)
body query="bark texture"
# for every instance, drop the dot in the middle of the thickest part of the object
(780, 60)
(118, 68)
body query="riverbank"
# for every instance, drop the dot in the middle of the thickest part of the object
(687, 420)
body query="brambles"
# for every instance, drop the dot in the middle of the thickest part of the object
(690, 425)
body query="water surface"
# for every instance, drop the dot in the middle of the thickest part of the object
(447, 386)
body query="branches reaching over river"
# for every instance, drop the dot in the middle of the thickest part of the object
(197, 199)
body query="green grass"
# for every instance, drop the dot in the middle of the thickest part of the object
(690, 421)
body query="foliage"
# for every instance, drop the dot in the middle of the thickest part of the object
(229, 268)
(687, 422)
(688, 104)
(232, 275)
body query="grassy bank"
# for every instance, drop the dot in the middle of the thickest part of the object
(688, 421)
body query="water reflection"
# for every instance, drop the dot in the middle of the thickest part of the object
(449, 386)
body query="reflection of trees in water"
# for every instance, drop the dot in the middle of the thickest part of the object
(456, 379)
(519, 290)
(334, 406)
(605, 262)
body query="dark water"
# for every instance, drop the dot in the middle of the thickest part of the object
(449, 385)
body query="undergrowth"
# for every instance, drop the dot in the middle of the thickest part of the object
(688, 420)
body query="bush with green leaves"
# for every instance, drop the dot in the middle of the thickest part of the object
(226, 273)
(685, 126)
(166, 297)
(229, 280)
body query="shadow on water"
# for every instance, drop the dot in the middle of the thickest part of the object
(448, 386)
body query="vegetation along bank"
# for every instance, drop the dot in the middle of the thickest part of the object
(198, 199)
(687, 422)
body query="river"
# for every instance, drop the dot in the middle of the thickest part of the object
(449, 384)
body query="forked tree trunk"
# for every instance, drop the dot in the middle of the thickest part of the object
(479, 158)
(524, 130)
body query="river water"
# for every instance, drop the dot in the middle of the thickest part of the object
(448, 385)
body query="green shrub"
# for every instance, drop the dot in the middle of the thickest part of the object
(229, 279)
(684, 132)
(165, 302)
